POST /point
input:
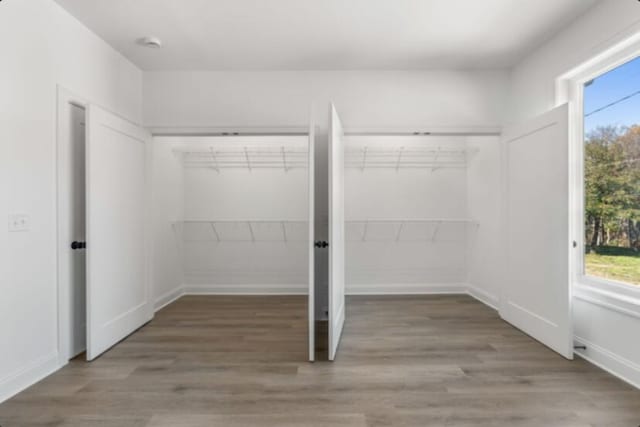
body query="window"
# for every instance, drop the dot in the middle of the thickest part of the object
(612, 175)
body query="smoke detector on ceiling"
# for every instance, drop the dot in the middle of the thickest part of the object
(151, 42)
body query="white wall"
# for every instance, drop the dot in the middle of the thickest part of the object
(532, 88)
(167, 208)
(42, 46)
(484, 204)
(608, 333)
(363, 98)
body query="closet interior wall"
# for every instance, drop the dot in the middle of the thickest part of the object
(231, 215)
(422, 214)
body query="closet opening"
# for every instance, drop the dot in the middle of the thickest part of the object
(422, 217)
(72, 261)
(422, 213)
(232, 229)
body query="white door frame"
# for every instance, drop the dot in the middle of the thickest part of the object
(63, 135)
(311, 310)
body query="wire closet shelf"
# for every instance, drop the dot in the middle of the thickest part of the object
(246, 230)
(405, 230)
(245, 157)
(434, 158)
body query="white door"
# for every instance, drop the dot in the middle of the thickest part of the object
(118, 297)
(336, 232)
(536, 295)
(311, 204)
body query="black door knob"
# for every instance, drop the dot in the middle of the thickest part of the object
(321, 244)
(78, 245)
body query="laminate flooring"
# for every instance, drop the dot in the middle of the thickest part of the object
(403, 361)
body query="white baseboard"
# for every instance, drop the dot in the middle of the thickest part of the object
(617, 366)
(219, 289)
(167, 298)
(28, 375)
(483, 296)
(407, 289)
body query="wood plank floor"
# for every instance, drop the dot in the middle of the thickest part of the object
(403, 361)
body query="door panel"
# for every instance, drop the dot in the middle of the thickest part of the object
(536, 294)
(118, 297)
(336, 233)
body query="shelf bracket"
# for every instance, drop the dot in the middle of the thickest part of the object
(284, 232)
(435, 160)
(253, 237)
(399, 231)
(366, 228)
(215, 231)
(399, 159)
(246, 155)
(216, 166)
(435, 231)
(364, 158)
(284, 159)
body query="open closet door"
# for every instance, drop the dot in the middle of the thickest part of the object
(311, 204)
(537, 296)
(118, 300)
(336, 232)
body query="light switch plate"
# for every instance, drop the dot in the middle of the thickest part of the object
(19, 222)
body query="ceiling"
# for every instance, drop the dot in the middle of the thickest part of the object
(326, 34)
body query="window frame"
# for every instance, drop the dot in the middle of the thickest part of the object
(570, 88)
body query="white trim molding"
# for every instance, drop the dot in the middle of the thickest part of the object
(426, 130)
(617, 366)
(65, 99)
(159, 130)
(28, 375)
(256, 289)
(224, 289)
(406, 289)
(168, 297)
(484, 297)
(609, 299)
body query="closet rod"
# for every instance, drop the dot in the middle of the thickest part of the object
(241, 221)
(221, 153)
(425, 131)
(228, 131)
(417, 151)
(410, 220)
(243, 161)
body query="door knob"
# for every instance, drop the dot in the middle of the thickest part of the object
(321, 244)
(78, 245)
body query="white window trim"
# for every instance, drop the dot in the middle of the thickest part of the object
(622, 297)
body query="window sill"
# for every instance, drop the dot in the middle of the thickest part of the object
(618, 297)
